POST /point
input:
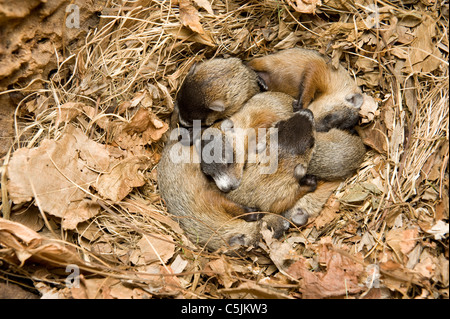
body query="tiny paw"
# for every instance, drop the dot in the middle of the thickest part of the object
(252, 217)
(310, 181)
(239, 239)
(300, 217)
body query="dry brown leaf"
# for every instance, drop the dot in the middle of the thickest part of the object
(186, 34)
(94, 288)
(152, 249)
(304, 6)
(354, 194)
(288, 42)
(189, 16)
(368, 109)
(369, 79)
(221, 269)
(328, 212)
(37, 105)
(68, 111)
(144, 128)
(30, 217)
(427, 265)
(341, 276)
(97, 156)
(89, 231)
(27, 244)
(122, 178)
(17, 236)
(205, 5)
(365, 64)
(57, 177)
(424, 54)
(279, 252)
(374, 136)
(402, 240)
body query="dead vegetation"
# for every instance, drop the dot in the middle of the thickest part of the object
(79, 184)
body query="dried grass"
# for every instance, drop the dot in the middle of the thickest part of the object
(143, 46)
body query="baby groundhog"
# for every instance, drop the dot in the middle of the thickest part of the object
(273, 180)
(215, 89)
(331, 94)
(334, 98)
(336, 155)
(202, 210)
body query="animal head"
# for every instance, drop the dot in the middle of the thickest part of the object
(309, 77)
(213, 90)
(296, 140)
(324, 89)
(218, 156)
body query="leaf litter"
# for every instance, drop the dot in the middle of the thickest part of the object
(81, 183)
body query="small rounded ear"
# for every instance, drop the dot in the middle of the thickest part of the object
(299, 171)
(356, 100)
(262, 79)
(217, 106)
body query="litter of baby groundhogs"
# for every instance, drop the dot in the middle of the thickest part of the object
(79, 184)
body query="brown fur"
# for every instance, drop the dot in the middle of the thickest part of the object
(278, 191)
(206, 213)
(337, 155)
(334, 98)
(312, 203)
(202, 210)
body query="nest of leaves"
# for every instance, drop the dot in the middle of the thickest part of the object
(79, 186)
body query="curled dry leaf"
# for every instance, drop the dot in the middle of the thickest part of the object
(341, 276)
(125, 175)
(374, 136)
(71, 166)
(189, 16)
(144, 128)
(205, 5)
(368, 109)
(152, 249)
(27, 243)
(304, 6)
(424, 54)
(17, 236)
(64, 189)
(279, 252)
